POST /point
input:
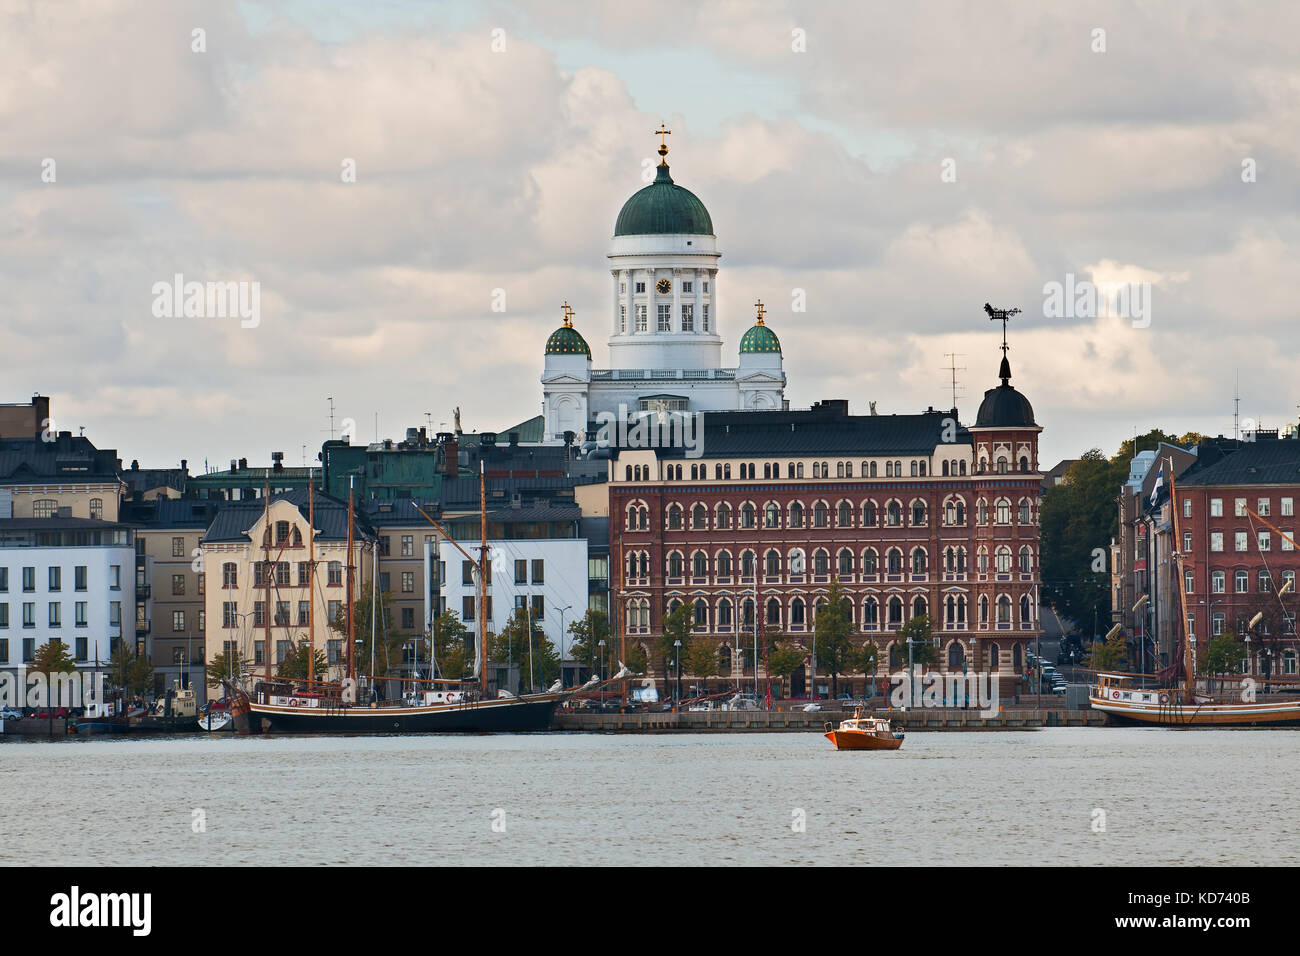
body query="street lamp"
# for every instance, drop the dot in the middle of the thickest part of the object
(562, 610)
(601, 645)
(678, 651)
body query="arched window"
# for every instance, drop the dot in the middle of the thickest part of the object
(1026, 560)
(747, 564)
(44, 508)
(1024, 511)
(821, 562)
(962, 466)
(839, 469)
(844, 518)
(773, 611)
(773, 563)
(748, 610)
(1004, 609)
(97, 511)
(918, 514)
(919, 561)
(675, 568)
(674, 518)
(919, 607)
(895, 611)
(724, 620)
(771, 515)
(870, 611)
(796, 515)
(701, 613)
(747, 515)
(821, 516)
(868, 514)
(1024, 466)
(895, 559)
(1003, 513)
(873, 469)
(724, 516)
(914, 471)
(993, 656)
(798, 469)
(1002, 560)
(1002, 464)
(628, 475)
(984, 609)
(724, 564)
(846, 561)
(870, 562)
(796, 611)
(1024, 610)
(894, 515)
(699, 518)
(767, 470)
(848, 469)
(956, 653)
(699, 564)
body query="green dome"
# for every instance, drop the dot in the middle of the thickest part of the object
(759, 339)
(566, 340)
(663, 208)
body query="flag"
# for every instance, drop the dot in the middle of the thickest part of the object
(1160, 483)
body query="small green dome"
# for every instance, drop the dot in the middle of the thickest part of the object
(566, 340)
(759, 338)
(663, 208)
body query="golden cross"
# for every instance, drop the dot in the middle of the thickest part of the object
(759, 304)
(663, 131)
(568, 314)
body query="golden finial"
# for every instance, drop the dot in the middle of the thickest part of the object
(663, 131)
(759, 305)
(568, 314)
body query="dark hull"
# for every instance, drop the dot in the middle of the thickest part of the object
(101, 727)
(489, 717)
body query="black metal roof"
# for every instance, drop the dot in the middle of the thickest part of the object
(66, 458)
(172, 512)
(235, 518)
(1265, 461)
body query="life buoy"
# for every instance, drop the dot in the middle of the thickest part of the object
(1114, 695)
(1164, 698)
(293, 701)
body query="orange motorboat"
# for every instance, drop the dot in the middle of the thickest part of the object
(864, 733)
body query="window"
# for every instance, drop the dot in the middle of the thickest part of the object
(521, 571)
(1187, 542)
(229, 575)
(304, 613)
(259, 613)
(45, 508)
(467, 572)
(56, 614)
(1262, 507)
(663, 314)
(229, 614)
(1288, 507)
(1003, 511)
(1242, 581)
(408, 582)
(1218, 584)
(467, 608)
(1216, 540)
(29, 579)
(1187, 507)
(639, 288)
(688, 316)
(335, 574)
(178, 584)
(1240, 540)
(178, 620)
(640, 315)
(408, 545)
(1265, 582)
(1024, 511)
(821, 515)
(56, 579)
(1216, 507)
(705, 326)
(539, 607)
(771, 515)
(1189, 582)
(1287, 539)
(1265, 541)
(1239, 507)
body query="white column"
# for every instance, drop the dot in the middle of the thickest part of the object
(675, 323)
(697, 285)
(614, 318)
(713, 298)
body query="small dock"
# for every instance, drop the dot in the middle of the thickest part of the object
(722, 721)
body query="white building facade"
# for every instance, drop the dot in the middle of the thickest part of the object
(665, 346)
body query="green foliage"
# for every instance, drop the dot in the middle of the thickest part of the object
(537, 658)
(833, 627)
(783, 660)
(1222, 655)
(453, 644)
(220, 667)
(1078, 517)
(1109, 655)
(586, 633)
(52, 658)
(388, 640)
(296, 659)
(678, 625)
(130, 671)
(700, 659)
(638, 661)
(919, 630)
(865, 659)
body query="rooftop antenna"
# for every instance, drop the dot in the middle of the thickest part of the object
(331, 400)
(1236, 406)
(955, 368)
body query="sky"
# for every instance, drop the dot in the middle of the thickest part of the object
(899, 165)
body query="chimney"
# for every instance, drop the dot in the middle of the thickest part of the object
(243, 464)
(277, 461)
(185, 466)
(450, 456)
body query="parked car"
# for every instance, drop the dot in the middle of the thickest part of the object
(1059, 690)
(10, 713)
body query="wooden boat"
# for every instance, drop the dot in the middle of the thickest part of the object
(1182, 706)
(215, 721)
(864, 733)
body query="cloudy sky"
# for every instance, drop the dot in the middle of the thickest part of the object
(902, 163)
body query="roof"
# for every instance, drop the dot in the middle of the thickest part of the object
(172, 512)
(566, 340)
(663, 208)
(825, 429)
(1271, 461)
(1004, 407)
(59, 524)
(233, 521)
(25, 460)
(759, 338)
(530, 431)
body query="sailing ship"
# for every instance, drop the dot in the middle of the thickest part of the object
(1183, 706)
(437, 706)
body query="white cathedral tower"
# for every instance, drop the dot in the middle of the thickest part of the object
(665, 349)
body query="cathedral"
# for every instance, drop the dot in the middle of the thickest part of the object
(665, 342)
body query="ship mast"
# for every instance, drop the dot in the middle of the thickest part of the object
(482, 581)
(311, 579)
(266, 575)
(349, 580)
(1189, 657)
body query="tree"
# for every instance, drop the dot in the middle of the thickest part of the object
(529, 648)
(833, 626)
(222, 667)
(296, 658)
(453, 646)
(701, 659)
(638, 661)
(587, 632)
(52, 658)
(131, 671)
(388, 640)
(1108, 655)
(677, 627)
(919, 630)
(865, 660)
(783, 660)
(1222, 655)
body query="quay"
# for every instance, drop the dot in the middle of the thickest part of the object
(740, 721)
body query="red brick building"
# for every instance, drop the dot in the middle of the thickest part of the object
(911, 514)
(1235, 564)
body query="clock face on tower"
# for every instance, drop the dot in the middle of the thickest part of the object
(664, 286)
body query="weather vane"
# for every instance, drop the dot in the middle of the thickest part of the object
(1001, 315)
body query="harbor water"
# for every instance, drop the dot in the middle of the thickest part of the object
(1058, 796)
